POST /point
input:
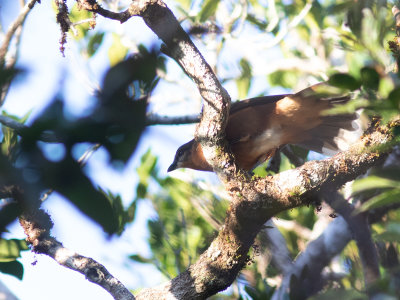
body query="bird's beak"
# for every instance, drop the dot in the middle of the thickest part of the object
(172, 167)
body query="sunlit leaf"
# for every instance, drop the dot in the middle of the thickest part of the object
(373, 182)
(244, 81)
(10, 250)
(208, 9)
(388, 236)
(384, 198)
(117, 50)
(340, 294)
(286, 79)
(76, 15)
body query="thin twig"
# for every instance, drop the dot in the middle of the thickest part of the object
(165, 120)
(19, 128)
(283, 32)
(13, 27)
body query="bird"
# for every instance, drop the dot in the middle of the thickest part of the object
(258, 127)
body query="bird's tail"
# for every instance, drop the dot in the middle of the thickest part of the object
(336, 132)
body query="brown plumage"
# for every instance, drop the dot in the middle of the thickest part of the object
(257, 127)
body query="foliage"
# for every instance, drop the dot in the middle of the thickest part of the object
(350, 44)
(9, 252)
(185, 218)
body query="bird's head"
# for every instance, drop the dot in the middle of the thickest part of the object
(190, 155)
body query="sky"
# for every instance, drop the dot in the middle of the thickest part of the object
(49, 73)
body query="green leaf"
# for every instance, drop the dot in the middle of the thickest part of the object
(14, 268)
(260, 24)
(286, 79)
(345, 81)
(244, 81)
(208, 9)
(388, 236)
(185, 4)
(384, 198)
(335, 294)
(9, 213)
(347, 108)
(370, 78)
(119, 214)
(140, 259)
(10, 250)
(117, 51)
(131, 212)
(67, 178)
(94, 43)
(146, 168)
(373, 182)
(76, 15)
(10, 136)
(394, 98)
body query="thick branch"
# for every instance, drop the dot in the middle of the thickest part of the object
(256, 201)
(320, 252)
(317, 256)
(159, 18)
(253, 201)
(360, 228)
(37, 224)
(179, 46)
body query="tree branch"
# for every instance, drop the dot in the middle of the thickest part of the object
(37, 224)
(5, 293)
(253, 201)
(210, 132)
(359, 227)
(153, 119)
(256, 201)
(317, 255)
(330, 243)
(19, 128)
(13, 27)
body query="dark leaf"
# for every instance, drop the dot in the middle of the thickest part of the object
(9, 74)
(67, 178)
(94, 43)
(131, 212)
(8, 214)
(344, 81)
(140, 259)
(394, 98)
(370, 78)
(13, 268)
(118, 211)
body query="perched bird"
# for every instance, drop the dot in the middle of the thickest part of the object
(257, 127)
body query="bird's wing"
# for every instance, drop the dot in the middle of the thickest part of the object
(254, 102)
